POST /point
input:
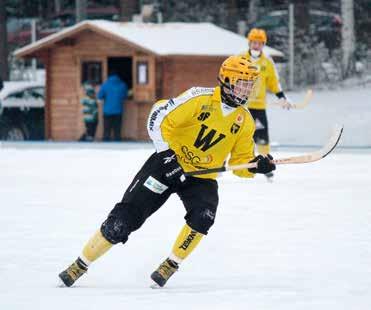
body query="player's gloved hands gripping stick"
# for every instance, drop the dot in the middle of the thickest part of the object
(264, 164)
(173, 172)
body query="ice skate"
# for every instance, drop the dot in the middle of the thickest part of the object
(163, 273)
(73, 272)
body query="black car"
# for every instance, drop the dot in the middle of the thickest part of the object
(22, 111)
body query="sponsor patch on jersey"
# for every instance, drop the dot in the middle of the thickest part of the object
(207, 107)
(235, 128)
(188, 156)
(208, 159)
(154, 185)
(203, 116)
(198, 91)
(239, 119)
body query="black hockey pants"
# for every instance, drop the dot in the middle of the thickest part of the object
(149, 191)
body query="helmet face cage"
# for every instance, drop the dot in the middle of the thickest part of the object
(237, 84)
(238, 91)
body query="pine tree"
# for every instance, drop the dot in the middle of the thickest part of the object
(4, 68)
(348, 37)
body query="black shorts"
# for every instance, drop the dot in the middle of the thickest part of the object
(261, 135)
(148, 192)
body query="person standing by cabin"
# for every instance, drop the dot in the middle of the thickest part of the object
(113, 93)
(90, 111)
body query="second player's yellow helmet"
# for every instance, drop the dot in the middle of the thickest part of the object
(237, 76)
(257, 34)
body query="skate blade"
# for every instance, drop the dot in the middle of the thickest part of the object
(60, 283)
(155, 286)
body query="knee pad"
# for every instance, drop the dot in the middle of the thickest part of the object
(201, 221)
(115, 230)
(116, 227)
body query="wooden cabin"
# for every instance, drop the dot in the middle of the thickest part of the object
(155, 60)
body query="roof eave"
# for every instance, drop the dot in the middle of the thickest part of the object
(32, 49)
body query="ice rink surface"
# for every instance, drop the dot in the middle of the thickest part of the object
(302, 242)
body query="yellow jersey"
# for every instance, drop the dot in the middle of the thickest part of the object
(202, 131)
(268, 80)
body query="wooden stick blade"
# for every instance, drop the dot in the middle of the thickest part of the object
(305, 102)
(317, 155)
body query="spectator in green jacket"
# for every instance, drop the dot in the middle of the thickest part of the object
(90, 111)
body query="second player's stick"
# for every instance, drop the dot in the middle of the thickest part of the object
(298, 105)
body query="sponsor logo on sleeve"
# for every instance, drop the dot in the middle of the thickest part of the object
(156, 112)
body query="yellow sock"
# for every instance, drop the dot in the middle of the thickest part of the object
(186, 242)
(95, 248)
(264, 149)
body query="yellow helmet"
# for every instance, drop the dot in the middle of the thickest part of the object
(237, 76)
(256, 34)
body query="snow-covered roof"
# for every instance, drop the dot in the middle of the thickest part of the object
(16, 86)
(204, 39)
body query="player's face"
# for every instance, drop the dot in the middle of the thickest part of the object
(240, 91)
(256, 45)
(243, 88)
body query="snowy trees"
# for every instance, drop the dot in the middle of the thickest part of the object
(4, 70)
(253, 11)
(348, 37)
(127, 9)
(80, 10)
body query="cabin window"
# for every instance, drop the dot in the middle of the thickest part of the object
(142, 72)
(91, 72)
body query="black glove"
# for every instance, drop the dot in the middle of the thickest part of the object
(173, 172)
(263, 164)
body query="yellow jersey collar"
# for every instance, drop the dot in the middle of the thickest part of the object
(216, 95)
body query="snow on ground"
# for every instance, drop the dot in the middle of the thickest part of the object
(311, 126)
(303, 242)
